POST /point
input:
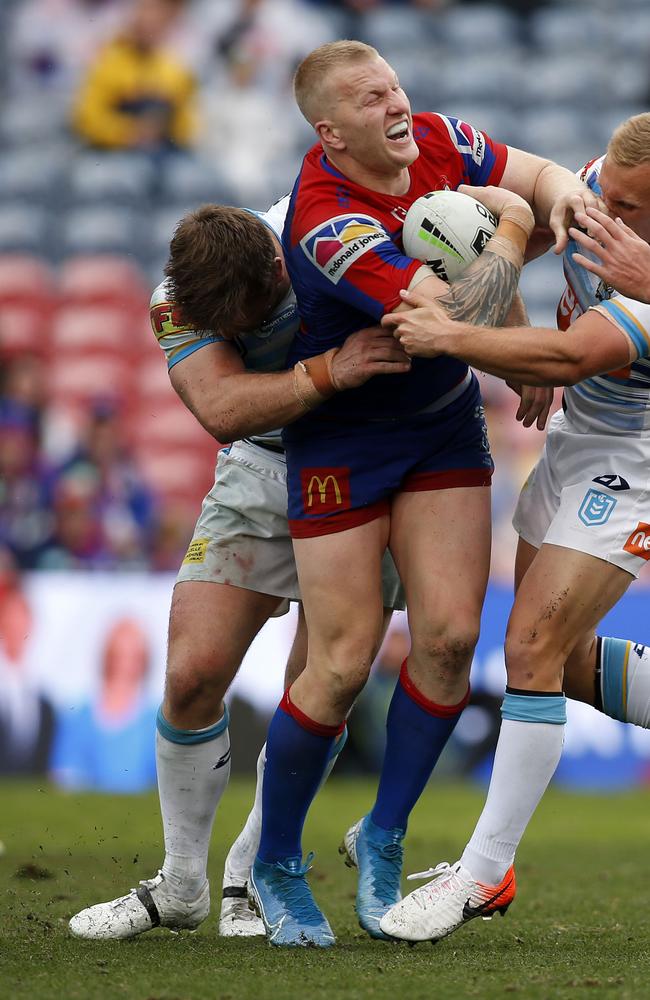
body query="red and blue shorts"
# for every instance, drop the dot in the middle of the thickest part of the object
(341, 475)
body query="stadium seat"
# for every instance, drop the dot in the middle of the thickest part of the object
(102, 229)
(395, 33)
(484, 79)
(87, 379)
(25, 278)
(29, 120)
(24, 174)
(115, 178)
(93, 329)
(177, 473)
(102, 278)
(564, 78)
(192, 182)
(162, 224)
(486, 28)
(549, 129)
(24, 328)
(565, 26)
(24, 227)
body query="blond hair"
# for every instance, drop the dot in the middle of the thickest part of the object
(311, 76)
(630, 143)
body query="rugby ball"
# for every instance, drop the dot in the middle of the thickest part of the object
(447, 230)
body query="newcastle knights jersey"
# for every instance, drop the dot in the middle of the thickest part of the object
(344, 254)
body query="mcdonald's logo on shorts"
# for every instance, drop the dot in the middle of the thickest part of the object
(639, 541)
(325, 490)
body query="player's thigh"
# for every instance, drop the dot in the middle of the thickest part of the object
(340, 577)
(562, 596)
(211, 627)
(523, 560)
(440, 541)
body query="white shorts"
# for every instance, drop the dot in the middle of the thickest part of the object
(591, 493)
(242, 536)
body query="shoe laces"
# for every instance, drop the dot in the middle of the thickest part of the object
(440, 878)
(148, 883)
(296, 894)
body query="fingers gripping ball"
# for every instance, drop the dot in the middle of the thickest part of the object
(447, 230)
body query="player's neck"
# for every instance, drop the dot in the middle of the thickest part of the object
(396, 183)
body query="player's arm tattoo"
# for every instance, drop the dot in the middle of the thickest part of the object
(484, 293)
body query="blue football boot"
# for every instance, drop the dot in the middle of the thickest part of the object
(279, 893)
(378, 854)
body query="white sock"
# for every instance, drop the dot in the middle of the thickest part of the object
(190, 786)
(526, 758)
(625, 680)
(244, 850)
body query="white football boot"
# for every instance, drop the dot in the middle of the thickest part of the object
(150, 905)
(445, 903)
(237, 919)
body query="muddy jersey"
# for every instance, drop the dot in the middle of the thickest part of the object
(618, 402)
(262, 350)
(344, 253)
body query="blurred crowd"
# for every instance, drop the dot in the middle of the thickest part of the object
(117, 116)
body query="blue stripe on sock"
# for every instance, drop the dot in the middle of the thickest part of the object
(534, 708)
(613, 676)
(190, 736)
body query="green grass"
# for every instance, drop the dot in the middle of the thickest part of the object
(580, 926)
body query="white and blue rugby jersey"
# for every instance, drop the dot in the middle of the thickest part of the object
(619, 402)
(262, 350)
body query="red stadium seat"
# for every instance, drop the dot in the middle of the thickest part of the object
(25, 278)
(88, 328)
(24, 327)
(102, 278)
(176, 473)
(91, 378)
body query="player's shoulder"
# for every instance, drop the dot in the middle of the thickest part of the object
(435, 132)
(275, 216)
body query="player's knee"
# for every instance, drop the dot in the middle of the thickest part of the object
(194, 681)
(532, 655)
(449, 650)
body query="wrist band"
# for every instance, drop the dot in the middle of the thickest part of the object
(319, 369)
(506, 248)
(303, 387)
(519, 215)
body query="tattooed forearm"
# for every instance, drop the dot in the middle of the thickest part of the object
(483, 294)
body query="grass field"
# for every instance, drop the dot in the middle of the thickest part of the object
(579, 928)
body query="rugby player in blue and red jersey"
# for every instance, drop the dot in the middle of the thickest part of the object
(404, 464)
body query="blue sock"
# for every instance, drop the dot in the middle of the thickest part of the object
(416, 732)
(296, 758)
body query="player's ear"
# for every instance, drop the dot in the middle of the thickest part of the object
(329, 134)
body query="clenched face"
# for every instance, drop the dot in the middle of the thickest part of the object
(626, 193)
(368, 131)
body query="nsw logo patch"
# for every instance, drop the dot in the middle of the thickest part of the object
(334, 245)
(596, 508)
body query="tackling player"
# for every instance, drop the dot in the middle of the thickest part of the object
(404, 464)
(583, 520)
(227, 275)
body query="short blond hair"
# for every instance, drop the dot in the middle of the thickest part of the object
(310, 77)
(630, 143)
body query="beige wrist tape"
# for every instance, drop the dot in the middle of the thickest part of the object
(521, 215)
(304, 388)
(506, 249)
(319, 370)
